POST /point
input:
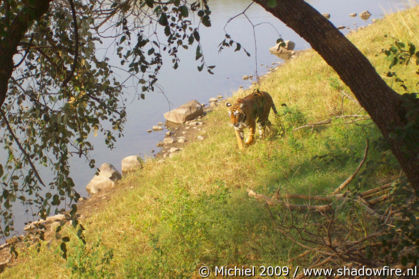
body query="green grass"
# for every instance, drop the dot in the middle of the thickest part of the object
(193, 209)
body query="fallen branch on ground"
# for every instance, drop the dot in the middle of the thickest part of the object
(350, 178)
(329, 121)
(271, 202)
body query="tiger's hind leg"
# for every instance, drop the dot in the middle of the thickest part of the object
(262, 130)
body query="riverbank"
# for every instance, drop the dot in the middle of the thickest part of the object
(172, 216)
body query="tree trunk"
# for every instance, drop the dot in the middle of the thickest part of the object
(14, 34)
(378, 99)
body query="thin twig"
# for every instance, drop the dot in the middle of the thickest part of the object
(9, 128)
(76, 45)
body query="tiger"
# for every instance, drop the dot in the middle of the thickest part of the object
(253, 108)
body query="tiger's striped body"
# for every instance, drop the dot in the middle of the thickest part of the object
(248, 111)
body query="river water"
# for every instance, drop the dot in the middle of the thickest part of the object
(186, 83)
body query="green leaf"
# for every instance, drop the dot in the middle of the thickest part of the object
(163, 20)
(206, 21)
(196, 35)
(198, 53)
(64, 250)
(184, 11)
(149, 3)
(272, 3)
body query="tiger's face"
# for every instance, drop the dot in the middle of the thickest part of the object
(237, 115)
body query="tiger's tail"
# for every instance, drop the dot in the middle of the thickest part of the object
(274, 108)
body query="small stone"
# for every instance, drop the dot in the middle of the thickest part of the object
(200, 138)
(183, 132)
(246, 77)
(326, 15)
(341, 27)
(157, 128)
(165, 155)
(149, 131)
(213, 100)
(168, 140)
(168, 133)
(131, 163)
(160, 123)
(181, 140)
(199, 123)
(159, 144)
(353, 14)
(374, 20)
(187, 128)
(365, 15)
(174, 149)
(219, 97)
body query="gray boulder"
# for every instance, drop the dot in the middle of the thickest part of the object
(185, 112)
(283, 52)
(106, 178)
(131, 163)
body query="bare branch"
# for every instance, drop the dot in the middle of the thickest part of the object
(9, 128)
(271, 202)
(350, 178)
(76, 45)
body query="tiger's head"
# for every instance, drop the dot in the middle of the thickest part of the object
(237, 115)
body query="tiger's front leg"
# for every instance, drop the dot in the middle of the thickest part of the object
(251, 137)
(239, 136)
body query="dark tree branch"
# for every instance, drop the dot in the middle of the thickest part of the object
(76, 45)
(32, 11)
(9, 128)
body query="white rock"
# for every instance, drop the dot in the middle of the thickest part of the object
(49, 220)
(160, 123)
(109, 171)
(219, 97)
(105, 178)
(326, 15)
(185, 112)
(168, 140)
(283, 52)
(149, 131)
(99, 183)
(181, 140)
(200, 137)
(131, 163)
(353, 14)
(157, 128)
(213, 100)
(168, 133)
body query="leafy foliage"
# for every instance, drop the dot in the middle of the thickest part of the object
(61, 91)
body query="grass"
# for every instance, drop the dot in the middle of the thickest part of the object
(169, 218)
